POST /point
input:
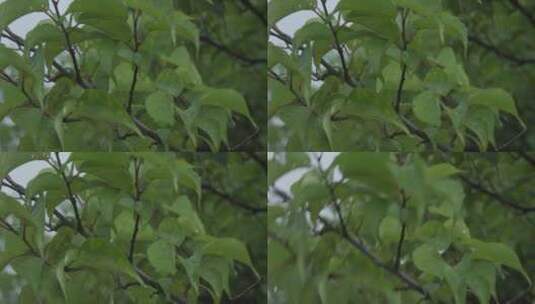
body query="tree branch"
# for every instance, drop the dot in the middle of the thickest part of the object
(136, 67)
(255, 11)
(528, 158)
(232, 53)
(22, 192)
(20, 43)
(397, 262)
(258, 159)
(360, 246)
(137, 195)
(523, 10)
(404, 16)
(500, 53)
(72, 198)
(496, 196)
(70, 47)
(154, 284)
(148, 131)
(10, 228)
(338, 46)
(276, 32)
(232, 200)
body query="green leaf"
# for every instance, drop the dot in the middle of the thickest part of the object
(424, 7)
(9, 57)
(161, 255)
(10, 10)
(280, 95)
(104, 256)
(367, 8)
(170, 231)
(427, 259)
(189, 219)
(229, 248)
(310, 191)
(370, 168)
(45, 32)
(481, 121)
(454, 27)
(312, 31)
(100, 106)
(216, 272)
(278, 9)
(498, 253)
(46, 181)
(426, 107)
(369, 105)
(108, 16)
(326, 123)
(481, 279)
(456, 284)
(13, 248)
(10, 161)
(186, 69)
(11, 98)
(390, 229)
(440, 171)
(455, 71)
(161, 108)
(110, 168)
(10, 206)
(496, 99)
(227, 99)
(182, 25)
(185, 175)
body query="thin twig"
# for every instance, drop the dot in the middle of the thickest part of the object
(70, 47)
(137, 195)
(72, 198)
(225, 49)
(524, 11)
(499, 52)
(255, 11)
(404, 16)
(338, 46)
(360, 246)
(136, 67)
(397, 262)
(496, 196)
(232, 200)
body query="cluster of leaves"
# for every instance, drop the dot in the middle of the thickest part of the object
(130, 75)
(402, 228)
(133, 228)
(401, 75)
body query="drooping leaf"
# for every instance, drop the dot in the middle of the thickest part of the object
(497, 253)
(104, 256)
(161, 108)
(161, 255)
(427, 259)
(426, 107)
(227, 99)
(99, 106)
(229, 248)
